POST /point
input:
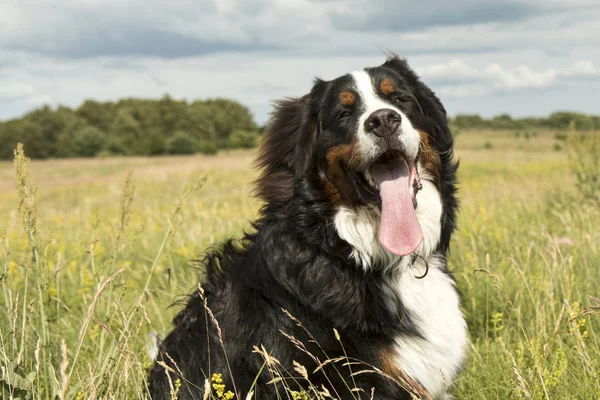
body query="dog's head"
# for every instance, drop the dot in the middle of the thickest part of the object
(371, 142)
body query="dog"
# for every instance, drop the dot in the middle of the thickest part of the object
(341, 286)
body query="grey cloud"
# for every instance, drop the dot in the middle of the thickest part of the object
(395, 16)
(128, 28)
(97, 41)
(135, 42)
(331, 28)
(411, 16)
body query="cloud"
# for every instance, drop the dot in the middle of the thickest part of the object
(145, 42)
(583, 68)
(459, 79)
(15, 90)
(402, 16)
(478, 56)
(74, 29)
(85, 29)
(266, 77)
(519, 78)
(453, 69)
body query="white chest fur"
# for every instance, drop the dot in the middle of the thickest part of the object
(435, 359)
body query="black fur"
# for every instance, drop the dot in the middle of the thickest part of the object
(294, 260)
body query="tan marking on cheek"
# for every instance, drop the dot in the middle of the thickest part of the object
(347, 98)
(387, 356)
(336, 185)
(386, 86)
(430, 159)
(349, 154)
(332, 193)
(338, 153)
(336, 181)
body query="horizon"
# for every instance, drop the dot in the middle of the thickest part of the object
(263, 123)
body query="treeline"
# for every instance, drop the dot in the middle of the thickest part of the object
(560, 120)
(131, 127)
(168, 126)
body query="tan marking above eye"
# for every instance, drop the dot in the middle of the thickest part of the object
(387, 86)
(347, 98)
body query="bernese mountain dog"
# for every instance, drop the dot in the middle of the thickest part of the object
(341, 287)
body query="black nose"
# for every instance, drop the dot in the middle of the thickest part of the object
(383, 122)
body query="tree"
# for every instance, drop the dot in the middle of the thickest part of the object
(32, 136)
(157, 144)
(503, 121)
(100, 115)
(181, 143)
(242, 139)
(65, 145)
(562, 120)
(469, 121)
(127, 129)
(9, 137)
(200, 117)
(226, 116)
(89, 141)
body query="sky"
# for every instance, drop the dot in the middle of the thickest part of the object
(525, 58)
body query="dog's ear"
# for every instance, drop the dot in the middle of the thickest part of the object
(307, 138)
(287, 152)
(280, 157)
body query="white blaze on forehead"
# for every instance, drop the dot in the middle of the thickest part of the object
(366, 91)
(372, 102)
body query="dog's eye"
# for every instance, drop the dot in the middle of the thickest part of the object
(344, 114)
(400, 102)
(397, 100)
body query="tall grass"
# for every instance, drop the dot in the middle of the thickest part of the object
(584, 157)
(91, 259)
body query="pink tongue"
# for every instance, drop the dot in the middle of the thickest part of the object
(400, 231)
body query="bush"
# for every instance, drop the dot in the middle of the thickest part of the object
(557, 147)
(181, 143)
(242, 139)
(104, 153)
(564, 120)
(560, 136)
(114, 146)
(207, 147)
(488, 145)
(88, 142)
(527, 134)
(157, 144)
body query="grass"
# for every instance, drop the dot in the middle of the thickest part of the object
(93, 255)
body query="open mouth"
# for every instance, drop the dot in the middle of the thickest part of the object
(367, 187)
(394, 181)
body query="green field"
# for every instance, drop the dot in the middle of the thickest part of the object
(107, 246)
